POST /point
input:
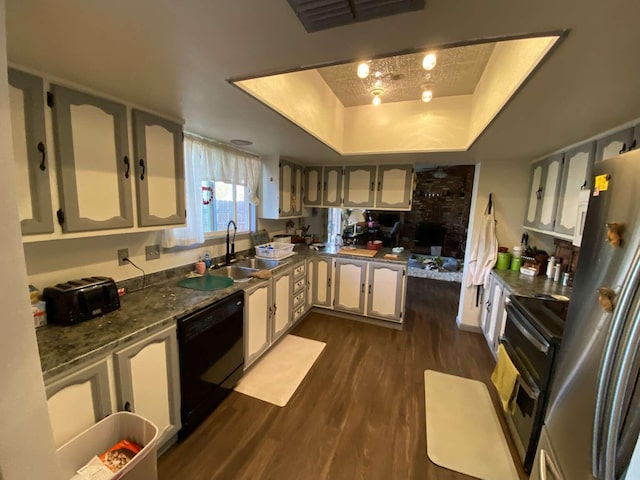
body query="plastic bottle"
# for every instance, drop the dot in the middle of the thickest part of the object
(207, 260)
(550, 266)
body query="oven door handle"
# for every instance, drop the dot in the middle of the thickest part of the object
(536, 342)
(524, 377)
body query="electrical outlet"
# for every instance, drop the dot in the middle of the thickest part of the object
(152, 252)
(122, 254)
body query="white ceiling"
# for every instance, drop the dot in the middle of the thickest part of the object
(177, 59)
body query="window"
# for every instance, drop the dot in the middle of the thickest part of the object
(222, 202)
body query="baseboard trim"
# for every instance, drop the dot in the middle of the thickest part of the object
(468, 328)
(358, 318)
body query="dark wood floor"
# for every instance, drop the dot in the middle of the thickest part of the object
(359, 413)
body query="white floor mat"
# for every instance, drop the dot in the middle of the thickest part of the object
(277, 375)
(463, 430)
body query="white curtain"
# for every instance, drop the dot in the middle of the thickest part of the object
(208, 160)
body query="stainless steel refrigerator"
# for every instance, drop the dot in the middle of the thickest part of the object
(593, 416)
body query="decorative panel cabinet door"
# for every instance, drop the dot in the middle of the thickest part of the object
(257, 322)
(92, 161)
(287, 175)
(332, 196)
(310, 283)
(615, 144)
(350, 285)
(26, 101)
(385, 291)
(78, 400)
(159, 170)
(297, 190)
(359, 186)
(395, 185)
(148, 380)
(535, 195)
(281, 304)
(313, 186)
(575, 178)
(550, 192)
(322, 282)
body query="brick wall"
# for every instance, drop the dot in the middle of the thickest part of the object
(444, 202)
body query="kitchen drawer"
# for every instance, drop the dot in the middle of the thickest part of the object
(298, 270)
(298, 285)
(298, 312)
(298, 298)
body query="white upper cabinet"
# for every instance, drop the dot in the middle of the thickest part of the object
(332, 191)
(313, 186)
(395, 187)
(575, 178)
(92, 161)
(359, 186)
(159, 170)
(543, 193)
(282, 188)
(617, 143)
(26, 100)
(298, 190)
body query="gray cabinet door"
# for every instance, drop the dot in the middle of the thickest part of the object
(576, 174)
(332, 187)
(350, 286)
(148, 381)
(394, 189)
(286, 189)
(613, 145)
(543, 192)
(313, 186)
(159, 167)
(26, 96)
(298, 190)
(92, 161)
(359, 186)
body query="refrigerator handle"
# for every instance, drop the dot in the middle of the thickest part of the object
(624, 378)
(547, 466)
(609, 356)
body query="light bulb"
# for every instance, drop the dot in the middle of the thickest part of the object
(376, 100)
(427, 95)
(429, 61)
(363, 70)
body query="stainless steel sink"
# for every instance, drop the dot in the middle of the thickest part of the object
(258, 263)
(237, 273)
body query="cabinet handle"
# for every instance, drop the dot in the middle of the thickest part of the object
(379, 185)
(362, 288)
(126, 162)
(369, 289)
(372, 185)
(584, 186)
(623, 149)
(275, 308)
(633, 145)
(329, 282)
(325, 186)
(127, 407)
(42, 151)
(539, 193)
(142, 165)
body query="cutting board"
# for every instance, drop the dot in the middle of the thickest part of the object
(359, 252)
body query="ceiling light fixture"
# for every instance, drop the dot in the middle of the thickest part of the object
(439, 173)
(427, 93)
(241, 143)
(363, 70)
(376, 92)
(429, 61)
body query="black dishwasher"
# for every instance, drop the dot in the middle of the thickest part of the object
(211, 358)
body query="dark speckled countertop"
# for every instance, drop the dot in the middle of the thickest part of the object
(530, 286)
(143, 312)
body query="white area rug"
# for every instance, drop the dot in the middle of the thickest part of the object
(463, 431)
(276, 376)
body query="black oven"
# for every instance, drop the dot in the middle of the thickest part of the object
(532, 335)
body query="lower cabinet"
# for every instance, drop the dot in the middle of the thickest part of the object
(322, 274)
(350, 285)
(148, 381)
(494, 314)
(79, 400)
(386, 291)
(310, 284)
(267, 314)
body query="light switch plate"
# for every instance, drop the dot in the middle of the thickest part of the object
(152, 252)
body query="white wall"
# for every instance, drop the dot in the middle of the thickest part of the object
(508, 181)
(26, 440)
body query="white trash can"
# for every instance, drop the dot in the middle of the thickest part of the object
(97, 439)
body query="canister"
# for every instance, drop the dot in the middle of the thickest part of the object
(504, 260)
(516, 263)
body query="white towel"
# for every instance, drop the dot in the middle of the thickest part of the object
(484, 252)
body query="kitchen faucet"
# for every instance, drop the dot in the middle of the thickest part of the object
(231, 255)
